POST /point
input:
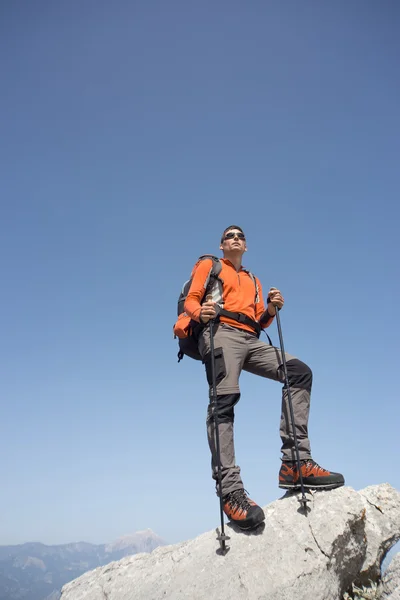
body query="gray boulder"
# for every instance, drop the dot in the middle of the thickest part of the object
(342, 540)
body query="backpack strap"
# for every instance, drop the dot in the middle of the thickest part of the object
(214, 284)
(254, 280)
(214, 272)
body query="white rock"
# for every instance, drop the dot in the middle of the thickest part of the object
(295, 557)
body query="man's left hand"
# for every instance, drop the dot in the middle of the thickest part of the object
(276, 299)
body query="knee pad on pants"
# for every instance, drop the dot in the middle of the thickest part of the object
(299, 374)
(225, 408)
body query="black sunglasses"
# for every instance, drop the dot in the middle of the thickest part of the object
(232, 234)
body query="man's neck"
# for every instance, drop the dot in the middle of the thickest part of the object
(235, 259)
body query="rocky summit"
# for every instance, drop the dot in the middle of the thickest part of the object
(341, 541)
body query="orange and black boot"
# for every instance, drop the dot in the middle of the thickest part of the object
(242, 511)
(314, 476)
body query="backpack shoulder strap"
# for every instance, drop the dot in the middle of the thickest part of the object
(213, 284)
(257, 287)
(216, 267)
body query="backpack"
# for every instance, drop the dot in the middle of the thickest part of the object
(186, 329)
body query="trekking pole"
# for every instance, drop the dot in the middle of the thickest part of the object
(222, 537)
(303, 500)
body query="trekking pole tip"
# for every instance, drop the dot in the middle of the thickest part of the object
(222, 537)
(303, 501)
(223, 548)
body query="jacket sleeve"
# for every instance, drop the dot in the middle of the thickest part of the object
(261, 307)
(196, 292)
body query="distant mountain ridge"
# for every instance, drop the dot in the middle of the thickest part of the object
(35, 571)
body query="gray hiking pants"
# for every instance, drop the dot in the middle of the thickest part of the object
(237, 350)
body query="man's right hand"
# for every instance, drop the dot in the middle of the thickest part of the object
(207, 311)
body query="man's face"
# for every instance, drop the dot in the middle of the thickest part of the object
(233, 241)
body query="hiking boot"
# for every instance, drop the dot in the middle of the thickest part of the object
(242, 511)
(314, 476)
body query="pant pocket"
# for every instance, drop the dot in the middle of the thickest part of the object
(220, 370)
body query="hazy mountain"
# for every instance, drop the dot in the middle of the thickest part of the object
(34, 571)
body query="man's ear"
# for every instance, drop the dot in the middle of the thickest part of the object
(245, 248)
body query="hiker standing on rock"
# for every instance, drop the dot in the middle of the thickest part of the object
(238, 308)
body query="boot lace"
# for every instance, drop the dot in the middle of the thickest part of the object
(311, 464)
(239, 499)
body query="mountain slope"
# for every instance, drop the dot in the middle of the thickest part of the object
(34, 571)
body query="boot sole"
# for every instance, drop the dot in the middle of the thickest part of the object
(308, 486)
(247, 527)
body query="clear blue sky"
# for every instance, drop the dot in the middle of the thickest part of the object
(131, 134)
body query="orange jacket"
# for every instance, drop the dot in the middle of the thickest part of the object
(239, 293)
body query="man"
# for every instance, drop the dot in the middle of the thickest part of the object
(238, 308)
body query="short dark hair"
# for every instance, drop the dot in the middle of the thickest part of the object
(228, 229)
